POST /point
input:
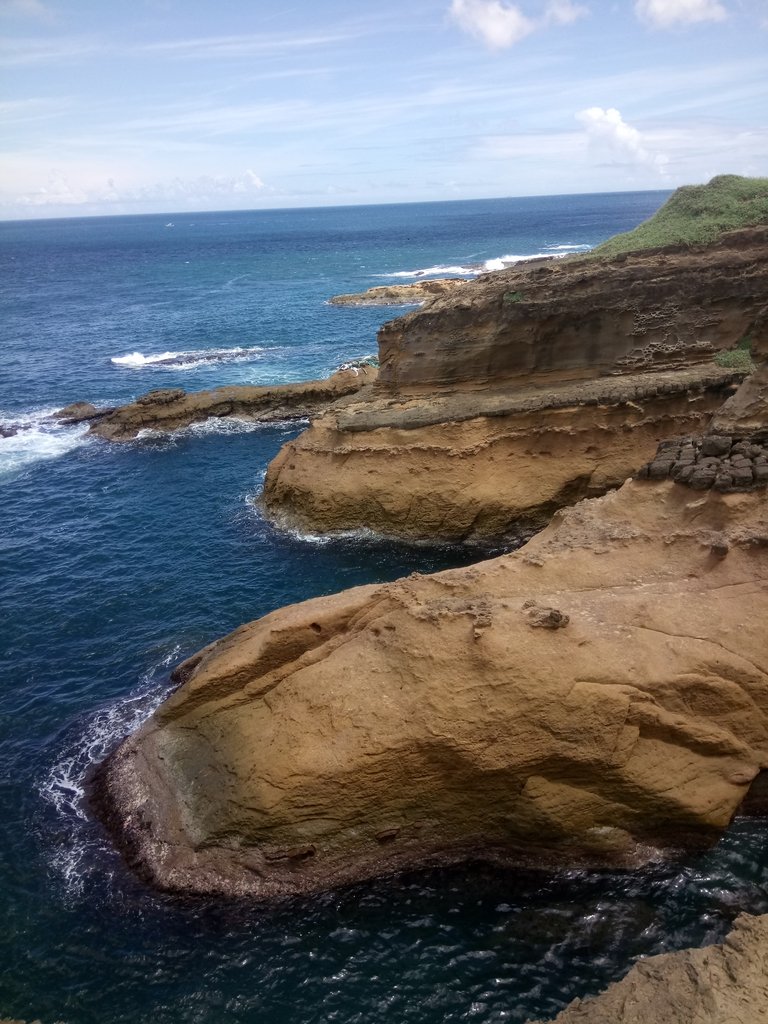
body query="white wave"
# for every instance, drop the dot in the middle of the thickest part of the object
(64, 785)
(188, 360)
(434, 271)
(38, 437)
(495, 263)
(218, 425)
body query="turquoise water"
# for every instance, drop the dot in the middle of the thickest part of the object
(118, 561)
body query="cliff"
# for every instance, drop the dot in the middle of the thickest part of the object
(529, 389)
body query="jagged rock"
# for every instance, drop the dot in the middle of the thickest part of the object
(725, 984)
(173, 408)
(79, 412)
(428, 711)
(8, 431)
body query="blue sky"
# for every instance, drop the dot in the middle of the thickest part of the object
(172, 105)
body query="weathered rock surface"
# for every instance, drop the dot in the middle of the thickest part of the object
(599, 696)
(726, 462)
(79, 412)
(173, 408)
(479, 466)
(583, 318)
(528, 389)
(401, 294)
(726, 984)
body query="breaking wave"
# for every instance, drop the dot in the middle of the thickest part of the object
(188, 360)
(64, 786)
(33, 437)
(496, 263)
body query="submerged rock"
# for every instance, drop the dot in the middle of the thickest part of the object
(725, 984)
(172, 408)
(426, 721)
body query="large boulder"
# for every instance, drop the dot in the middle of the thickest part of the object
(598, 697)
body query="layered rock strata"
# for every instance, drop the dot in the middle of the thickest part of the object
(725, 984)
(598, 697)
(482, 466)
(172, 408)
(401, 294)
(530, 388)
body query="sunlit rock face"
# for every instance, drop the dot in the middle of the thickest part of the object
(526, 390)
(598, 697)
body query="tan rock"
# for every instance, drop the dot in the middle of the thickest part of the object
(480, 466)
(526, 390)
(725, 984)
(426, 722)
(401, 294)
(172, 408)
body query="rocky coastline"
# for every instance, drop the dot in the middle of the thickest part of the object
(173, 409)
(595, 698)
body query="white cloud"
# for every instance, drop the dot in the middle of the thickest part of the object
(668, 13)
(496, 24)
(499, 24)
(611, 136)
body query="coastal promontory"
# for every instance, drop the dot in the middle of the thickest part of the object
(530, 388)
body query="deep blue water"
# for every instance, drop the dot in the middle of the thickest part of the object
(118, 561)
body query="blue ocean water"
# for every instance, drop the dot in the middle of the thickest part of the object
(116, 561)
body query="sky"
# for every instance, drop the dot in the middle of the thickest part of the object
(175, 105)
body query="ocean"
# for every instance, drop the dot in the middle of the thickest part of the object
(117, 561)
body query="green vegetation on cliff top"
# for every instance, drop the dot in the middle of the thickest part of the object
(697, 213)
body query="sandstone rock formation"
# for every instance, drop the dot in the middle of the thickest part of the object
(599, 696)
(401, 294)
(530, 388)
(726, 984)
(173, 408)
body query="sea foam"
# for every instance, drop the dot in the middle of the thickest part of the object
(190, 360)
(38, 437)
(63, 787)
(495, 263)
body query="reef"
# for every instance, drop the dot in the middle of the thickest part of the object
(173, 408)
(401, 294)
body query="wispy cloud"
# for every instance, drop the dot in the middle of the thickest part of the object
(670, 13)
(259, 44)
(612, 138)
(500, 25)
(18, 52)
(34, 9)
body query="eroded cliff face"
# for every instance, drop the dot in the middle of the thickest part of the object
(527, 390)
(598, 697)
(583, 317)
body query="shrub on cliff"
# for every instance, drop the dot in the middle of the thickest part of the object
(697, 213)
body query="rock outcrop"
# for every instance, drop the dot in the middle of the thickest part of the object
(725, 984)
(172, 408)
(401, 294)
(599, 696)
(530, 388)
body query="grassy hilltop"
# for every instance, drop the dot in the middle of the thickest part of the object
(697, 213)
